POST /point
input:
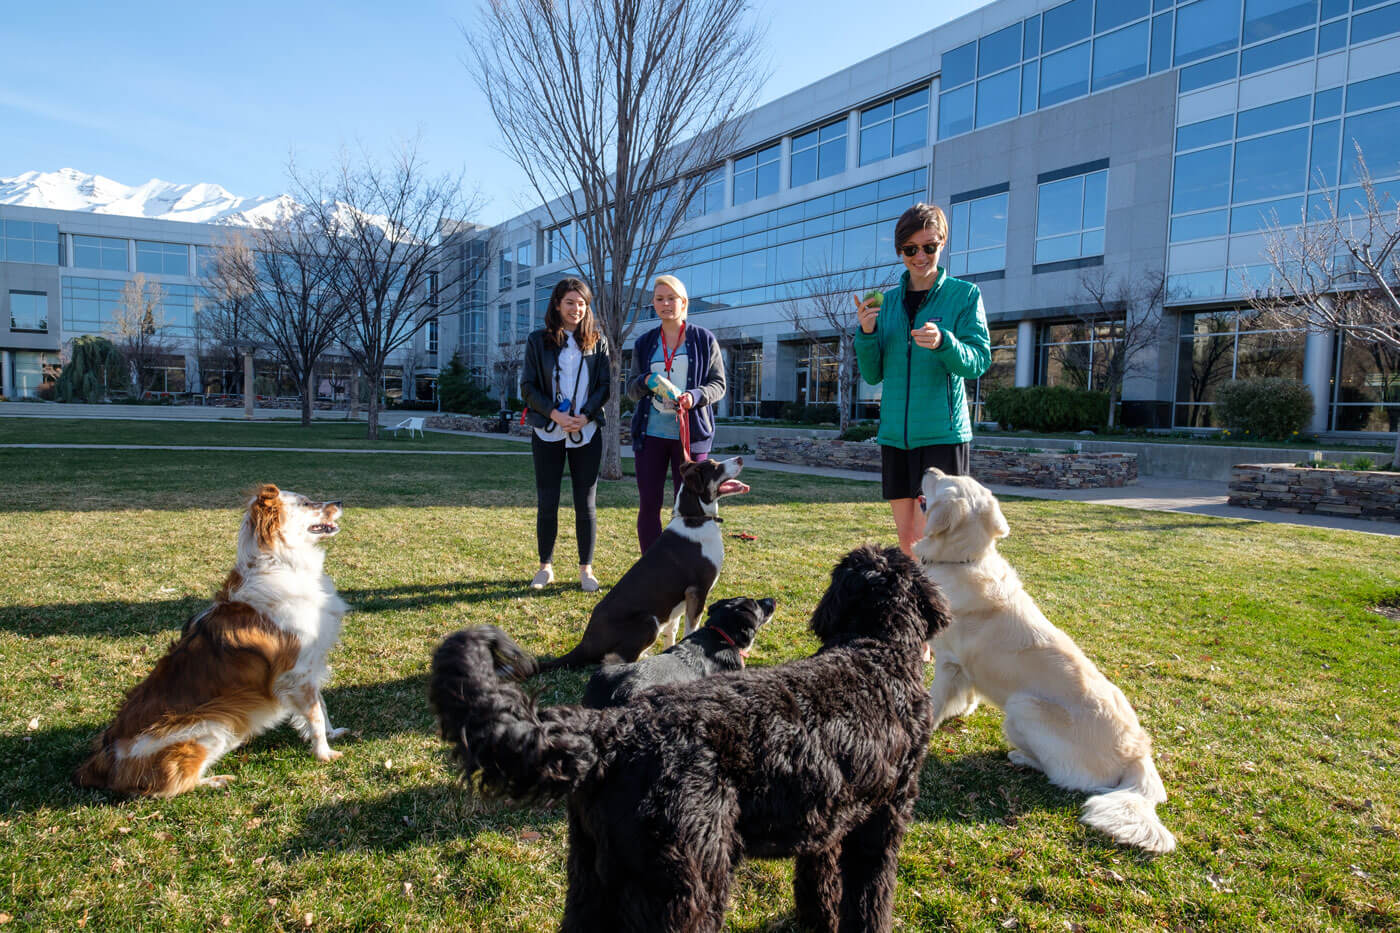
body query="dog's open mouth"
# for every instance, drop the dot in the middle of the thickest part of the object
(731, 487)
(324, 528)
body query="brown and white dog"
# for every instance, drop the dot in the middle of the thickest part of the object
(253, 659)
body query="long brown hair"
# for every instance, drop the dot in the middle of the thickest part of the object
(586, 334)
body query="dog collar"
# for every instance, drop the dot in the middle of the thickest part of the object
(695, 521)
(935, 563)
(725, 635)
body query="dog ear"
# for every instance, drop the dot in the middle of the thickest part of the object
(930, 605)
(857, 586)
(994, 520)
(944, 514)
(691, 477)
(265, 513)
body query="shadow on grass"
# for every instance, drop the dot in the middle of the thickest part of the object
(983, 788)
(413, 817)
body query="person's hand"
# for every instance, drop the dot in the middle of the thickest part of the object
(561, 419)
(684, 402)
(579, 422)
(866, 314)
(930, 336)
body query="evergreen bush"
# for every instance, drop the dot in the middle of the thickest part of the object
(459, 392)
(96, 363)
(1047, 408)
(1267, 408)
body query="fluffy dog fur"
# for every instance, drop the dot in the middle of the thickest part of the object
(720, 645)
(254, 658)
(1062, 716)
(818, 758)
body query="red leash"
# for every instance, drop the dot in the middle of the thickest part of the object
(682, 415)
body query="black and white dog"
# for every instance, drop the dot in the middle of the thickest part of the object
(674, 576)
(720, 645)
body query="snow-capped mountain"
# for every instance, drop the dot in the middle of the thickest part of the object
(71, 190)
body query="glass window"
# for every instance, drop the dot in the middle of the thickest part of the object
(756, 174)
(89, 304)
(977, 235)
(960, 65)
(1268, 166)
(1195, 135)
(1206, 28)
(1273, 116)
(710, 196)
(29, 241)
(1120, 56)
(99, 252)
(1109, 14)
(1001, 49)
(522, 319)
(1327, 103)
(1283, 212)
(998, 97)
(894, 127)
(1367, 386)
(1266, 18)
(503, 280)
(1161, 57)
(1030, 85)
(162, 258)
(1322, 165)
(1066, 23)
(1279, 52)
(29, 311)
(524, 259)
(1331, 8)
(1030, 46)
(503, 333)
(1374, 133)
(955, 112)
(820, 153)
(1201, 180)
(1064, 75)
(1070, 217)
(1207, 73)
(1331, 36)
(1377, 23)
(1198, 226)
(1363, 95)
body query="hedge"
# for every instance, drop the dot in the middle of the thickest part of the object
(1047, 408)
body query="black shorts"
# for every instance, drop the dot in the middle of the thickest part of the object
(902, 471)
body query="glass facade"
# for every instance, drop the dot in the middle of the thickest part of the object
(894, 127)
(1070, 217)
(522, 319)
(1000, 374)
(756, 174)
(1366, 391)
(503, 331)
(89, 306)
(1077, 354)
(29, 241)
(162, 258)
(100, 252)
(29, 312)
(818, 154)
(1217, 346)
(707, 200)
(977, 235)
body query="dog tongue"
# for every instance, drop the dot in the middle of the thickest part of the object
(732, 487)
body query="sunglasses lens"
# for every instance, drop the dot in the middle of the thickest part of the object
(911, 250)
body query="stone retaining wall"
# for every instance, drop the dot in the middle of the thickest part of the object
(1043, 469)
(479, 423)
(1307, 490)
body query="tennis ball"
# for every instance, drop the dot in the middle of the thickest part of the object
(875, 299)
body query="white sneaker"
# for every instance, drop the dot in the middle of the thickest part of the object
(587, 582)
(543, 578)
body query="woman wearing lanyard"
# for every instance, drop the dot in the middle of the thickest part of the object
(565, 383)
(677, 372)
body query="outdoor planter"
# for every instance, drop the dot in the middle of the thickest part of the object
(1307, 490)
(1046, 469)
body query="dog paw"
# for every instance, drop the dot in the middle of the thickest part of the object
(327, 754)
(216, 781)
(337, 733)
(1021, 760)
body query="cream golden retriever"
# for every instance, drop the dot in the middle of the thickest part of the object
(1062, 716)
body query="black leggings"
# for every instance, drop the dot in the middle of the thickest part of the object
(549, 475)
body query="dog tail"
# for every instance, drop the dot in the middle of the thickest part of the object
(1129, 812)
(96, 771)
(640, 629)
(500, 738)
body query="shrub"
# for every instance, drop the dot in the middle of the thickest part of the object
(820, 414)
(1270, 408)
(459, 392)
(95, 365)
(861, 432)
(1047, 408)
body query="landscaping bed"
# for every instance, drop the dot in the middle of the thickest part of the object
(1043, 469)
(1285, 487)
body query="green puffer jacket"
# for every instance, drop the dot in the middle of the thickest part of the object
(923, 401)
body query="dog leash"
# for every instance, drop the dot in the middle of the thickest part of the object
(682, 415)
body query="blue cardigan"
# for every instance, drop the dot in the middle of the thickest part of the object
(705, 384)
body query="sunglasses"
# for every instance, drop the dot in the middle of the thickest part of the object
(910, 250)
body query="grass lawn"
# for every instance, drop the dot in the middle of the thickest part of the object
(1249, 650)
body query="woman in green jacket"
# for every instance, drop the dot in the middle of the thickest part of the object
(925, 337)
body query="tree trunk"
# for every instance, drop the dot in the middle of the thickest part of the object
(306, 387)
(612, 431)
(1112, 406)
(372, 412)
(1395, 458)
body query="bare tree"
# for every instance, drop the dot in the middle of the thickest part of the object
(281, 277)
(1340, 272)
(222, 326)
(384, 224)
(1120, 319)
(508, 361)
(820, 309)
(615, 110)
(138, 325)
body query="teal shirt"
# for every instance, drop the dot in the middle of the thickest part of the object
(924, 400)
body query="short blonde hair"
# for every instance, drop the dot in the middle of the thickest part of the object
(673, 283)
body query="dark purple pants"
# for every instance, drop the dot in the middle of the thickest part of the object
(650, 465)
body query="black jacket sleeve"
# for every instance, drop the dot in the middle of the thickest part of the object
(599, 382)
(537, 377)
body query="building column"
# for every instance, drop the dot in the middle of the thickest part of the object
(7, 370)
(768, 382)
(1025, 353)
(1318, 353)
(248, 397)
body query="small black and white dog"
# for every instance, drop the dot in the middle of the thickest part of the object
(720, 645)
(674, 576)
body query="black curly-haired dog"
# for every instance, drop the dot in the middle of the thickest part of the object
(817, 758)
(718, 646)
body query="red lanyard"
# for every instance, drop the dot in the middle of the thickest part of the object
(668, 358)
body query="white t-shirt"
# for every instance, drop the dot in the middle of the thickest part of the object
(569, 380)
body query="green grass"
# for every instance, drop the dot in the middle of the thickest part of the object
(321, 434)
(1248, 649)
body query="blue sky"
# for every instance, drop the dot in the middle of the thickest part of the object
(225, 93)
